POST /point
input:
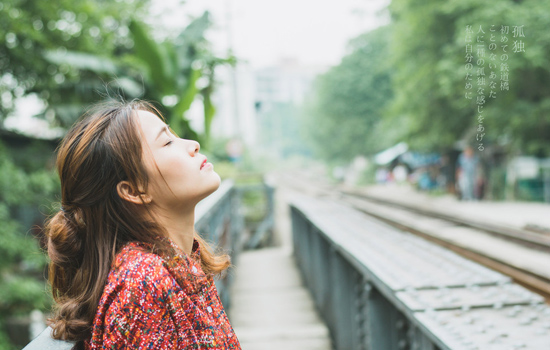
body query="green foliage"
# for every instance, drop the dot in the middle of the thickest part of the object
(428, 50)
(166, 72)
(425, 104)
(22, 294)
(17, 187)
(174, 82)
(5, 343)
(282, 127)
(29, 28)
(423, 48)
(21, 260)
(226, 170)
(71, 54)
(347, 106)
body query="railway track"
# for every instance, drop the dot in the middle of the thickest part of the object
(524, 237)
(522, 255)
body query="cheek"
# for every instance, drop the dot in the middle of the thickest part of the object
(180, 174)
(177, 168)
(163, 172)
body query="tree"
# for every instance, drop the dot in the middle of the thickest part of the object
(428, 52)
(347, 106)
(167, 72)
(427, 106)
(28, 28)
(184, 63)
(20, 257)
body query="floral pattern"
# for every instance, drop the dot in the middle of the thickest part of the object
(153, 302)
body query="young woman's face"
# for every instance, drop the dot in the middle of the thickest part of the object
(188, 178)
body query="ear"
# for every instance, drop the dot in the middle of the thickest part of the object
(127, 192)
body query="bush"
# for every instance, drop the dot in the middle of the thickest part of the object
(22, 263)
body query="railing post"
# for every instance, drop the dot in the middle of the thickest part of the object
(237, 224)
(320, 268)
(364, 288)
(298, 229)
(386, 325)
(343, 288)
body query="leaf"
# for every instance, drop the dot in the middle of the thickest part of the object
(129, 86)
(154, 56)
(83, 61)
(194, 32)
(209, 112)
(185, 101)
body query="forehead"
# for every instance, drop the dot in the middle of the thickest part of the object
(150, 124)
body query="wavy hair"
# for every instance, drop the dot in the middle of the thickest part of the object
(103, 148)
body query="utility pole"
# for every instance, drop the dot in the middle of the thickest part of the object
(236, 120)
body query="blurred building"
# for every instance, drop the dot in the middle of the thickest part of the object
(234, 101)
(280, 91)
(287, 81)
(259, 106)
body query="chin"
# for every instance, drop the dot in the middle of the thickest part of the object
(215, 184)
(217, 181)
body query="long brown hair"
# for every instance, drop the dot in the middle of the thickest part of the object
(101, 149)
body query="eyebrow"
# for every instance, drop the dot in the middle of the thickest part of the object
(165, 128)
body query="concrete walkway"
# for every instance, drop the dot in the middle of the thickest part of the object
(270, 307)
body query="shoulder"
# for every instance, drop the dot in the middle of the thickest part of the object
(135, 301)
(134, 257)
(138, 278)
(137, 269)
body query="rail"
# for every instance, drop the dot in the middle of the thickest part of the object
(497, 252)
(380, 288)
(519, 235)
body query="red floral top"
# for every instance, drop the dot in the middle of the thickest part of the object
(154, 303)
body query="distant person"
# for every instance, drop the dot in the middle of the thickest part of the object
(466, 175)
(400, 173)
(425, 179)
(128, 270)
(444, 174)
(381, 175)
(480, 184)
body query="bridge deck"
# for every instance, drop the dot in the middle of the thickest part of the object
(270, 307)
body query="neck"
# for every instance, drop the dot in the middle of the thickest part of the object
(180, 227)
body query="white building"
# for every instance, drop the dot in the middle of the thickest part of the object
(255, 106)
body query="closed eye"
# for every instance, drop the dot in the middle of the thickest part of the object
(169, 142)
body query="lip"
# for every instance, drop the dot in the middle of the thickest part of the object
(204, 162)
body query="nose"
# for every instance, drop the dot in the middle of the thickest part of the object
(193, 147)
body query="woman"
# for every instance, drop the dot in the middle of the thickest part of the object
(127, 268)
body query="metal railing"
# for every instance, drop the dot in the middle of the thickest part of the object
(379, 288)
(217, 219)
(263, 233)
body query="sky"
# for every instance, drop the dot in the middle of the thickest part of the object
(262, 32)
